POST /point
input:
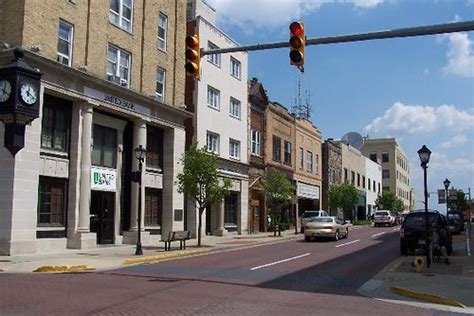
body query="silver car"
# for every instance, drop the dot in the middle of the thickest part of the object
(307, 216)
(326, 226)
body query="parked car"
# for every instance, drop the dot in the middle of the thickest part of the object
(413, 230)
(398, 217)
(309, 215)
(384, 217)
(455, 222)
(326, 226)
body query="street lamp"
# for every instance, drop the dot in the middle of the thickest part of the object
(446, 186)
(424, 153)
(140, 153)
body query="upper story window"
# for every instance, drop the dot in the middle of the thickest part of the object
(309, 161)
(256, 139)
(373, 186)
(276, 148)
(118, 66)
(385, 157)
(385, 174)
(121, 13)
(301, 158)
(358, 179)
(213, 98)
(234, 108)
(213, 143)
(353, 177)
(160, 84)
(373, 157)
(363, 182)
(214, 58)
(65, 38)
(234, 149)
(55, 124)
(104, 151)
(368, 183)
(287, 152)
(235, 68)
(162, 31)
(345, 175)
(317, 163)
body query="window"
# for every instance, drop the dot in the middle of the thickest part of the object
(160, 84)
(152, 207)
(214, 58)
(154, 147)
(234, 108)
(276, 148)
(234, 149)
(352, 177)
(55, 124)
(118, 66)
(317, 163)
(121, 13)
(235, 68)
(345, 175)
(287, 152)
(385, 174)
(363, 182)
(301, 158)
(51, 202)
(213, 98)
(104, 146)
(358, 180)
(162, 31)
(373, 186)
(378, 187)
(385, 157)
(65, 37)
(256, 139)
(373, 157)
(368, 183)
(213, 143)
(309, 161)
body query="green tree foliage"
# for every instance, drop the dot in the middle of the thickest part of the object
(200, 180)
(343, 196)
(278, 190)
(389, 201)
(460, 203)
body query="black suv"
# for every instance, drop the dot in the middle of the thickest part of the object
(413, 230)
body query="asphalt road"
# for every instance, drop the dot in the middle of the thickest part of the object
(278, 279)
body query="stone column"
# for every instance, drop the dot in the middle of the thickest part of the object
(220, 219)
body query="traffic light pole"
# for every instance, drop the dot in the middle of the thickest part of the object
(403, 32)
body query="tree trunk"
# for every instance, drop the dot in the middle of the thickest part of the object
(201, 210)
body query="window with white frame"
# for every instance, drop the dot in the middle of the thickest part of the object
(118, 66)
(234, 108)
(65, 37)
(256, 139)
(234, 149)
(287, 154)
(121, 13)
(213, 142)
(160, 84)
(235, 68)
(309, 161)
(162, 31)
(214, 58)
(213, 98)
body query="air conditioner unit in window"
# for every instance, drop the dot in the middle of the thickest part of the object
(123, 82)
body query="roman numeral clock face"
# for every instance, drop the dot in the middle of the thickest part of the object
(5, 90)
(28, 93)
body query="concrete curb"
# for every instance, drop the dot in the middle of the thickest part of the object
(430, 298)
(58, 268)
(175, 254)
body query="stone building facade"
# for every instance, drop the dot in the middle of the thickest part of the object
(331, 170)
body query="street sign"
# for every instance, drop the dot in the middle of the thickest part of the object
(441, 196)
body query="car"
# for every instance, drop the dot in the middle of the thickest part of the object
(384, 217)
(413, 230)
(455, 223)
(326, 226)
(308, 215)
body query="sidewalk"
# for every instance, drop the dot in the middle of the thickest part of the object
(116, 256)
(449, 287)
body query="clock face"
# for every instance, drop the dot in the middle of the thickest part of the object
(28, 93)
(5, 90)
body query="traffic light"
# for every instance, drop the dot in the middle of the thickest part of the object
(193, 56)
(297, 42)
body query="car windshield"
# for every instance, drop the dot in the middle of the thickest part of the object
(322, 220)
(419, 219)
(310, 214)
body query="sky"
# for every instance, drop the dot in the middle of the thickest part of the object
(419, 90)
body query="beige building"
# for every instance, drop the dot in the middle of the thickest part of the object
(395, 166)
(113, 80)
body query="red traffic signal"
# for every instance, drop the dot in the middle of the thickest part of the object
(297, 44)
(193, 56)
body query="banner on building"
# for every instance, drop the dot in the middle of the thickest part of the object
(307, 191)
(441, 196)
(103, 179)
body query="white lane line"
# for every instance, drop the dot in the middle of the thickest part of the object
(395, 229)
(280, 261)
(375, 235)
(347, 243)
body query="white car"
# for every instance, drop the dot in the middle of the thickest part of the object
(307, 216)
(384, 217)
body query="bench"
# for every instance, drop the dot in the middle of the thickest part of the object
(180, 236)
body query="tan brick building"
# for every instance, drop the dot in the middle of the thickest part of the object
(113, 80)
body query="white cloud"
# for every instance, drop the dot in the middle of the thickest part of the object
(455, 141)
(460, 59)
(247, 14)
(418, 119)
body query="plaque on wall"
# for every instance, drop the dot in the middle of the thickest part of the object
(178, 215)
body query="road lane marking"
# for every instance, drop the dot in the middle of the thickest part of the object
(375, 235)
(347, 243)
(280, 261)
(395, 229)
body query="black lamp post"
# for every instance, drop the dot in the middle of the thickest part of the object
(140, 153)
(446, 186)
(424, 153)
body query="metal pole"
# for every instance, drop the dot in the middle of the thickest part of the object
(447, 201)
(427, 241)
(139, 251)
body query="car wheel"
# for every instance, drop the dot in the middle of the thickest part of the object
(307, 238)
(347, 233)
(403, 249)
(336, 236)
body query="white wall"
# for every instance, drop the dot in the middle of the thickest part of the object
(373, 171)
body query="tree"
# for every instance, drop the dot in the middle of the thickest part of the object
(278, 190)
(389, 201)
(343, 196)
(200, 180)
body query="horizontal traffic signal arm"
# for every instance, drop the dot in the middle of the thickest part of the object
(403, 32)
